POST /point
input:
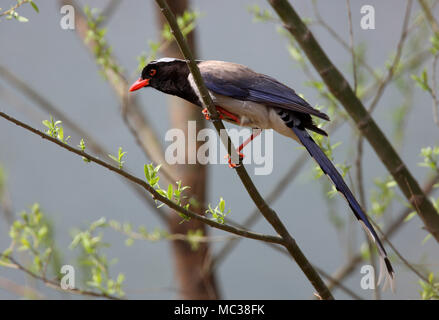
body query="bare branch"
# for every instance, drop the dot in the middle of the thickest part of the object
(54, 284)
(349, 267)
(429, 16)
(396, 60)
(352, 47)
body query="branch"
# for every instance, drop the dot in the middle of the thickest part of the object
(337, 37)
(146, 186)
(92, 144)
(396, 60)
(349, 267)
(260, 203)
(13, 8)
(340, 88)
(351, 47)
(380, 91)
(429, 16)
(274, 194)
(54, 284)
(434, 92)
(20, 290)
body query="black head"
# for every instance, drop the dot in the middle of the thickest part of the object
(160, 72)
(168, 75)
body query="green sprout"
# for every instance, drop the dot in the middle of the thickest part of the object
(55, 129)
(218, 213)
(119, 159)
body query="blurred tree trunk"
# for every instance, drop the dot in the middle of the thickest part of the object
(194, 281)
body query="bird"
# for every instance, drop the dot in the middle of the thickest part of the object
(258, 101)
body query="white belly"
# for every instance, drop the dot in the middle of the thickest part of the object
(251, 114)
(254, 115)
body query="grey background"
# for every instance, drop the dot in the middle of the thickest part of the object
(72, 193)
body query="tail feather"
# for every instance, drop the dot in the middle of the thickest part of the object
(330, 170)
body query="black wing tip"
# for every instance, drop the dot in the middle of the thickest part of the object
(389, 267)
(324, 116)
(317, 130)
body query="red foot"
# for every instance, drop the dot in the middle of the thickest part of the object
(231, 164)
(222, 112)
(228, 114)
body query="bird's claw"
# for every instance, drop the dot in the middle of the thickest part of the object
(207, 115)
(234, 165)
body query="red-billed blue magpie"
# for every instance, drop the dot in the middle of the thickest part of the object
(255, 100)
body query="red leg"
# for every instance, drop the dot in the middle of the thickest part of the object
(222, 112)
(228, 114)
(255, 133)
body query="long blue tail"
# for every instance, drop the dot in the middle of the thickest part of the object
(330, 170)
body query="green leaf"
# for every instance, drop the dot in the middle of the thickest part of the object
(21, 19)
(170, 192)
(34, 6)
(47, 123)
(147, 174)
(222, 204)
(129, 242)
(410, 216)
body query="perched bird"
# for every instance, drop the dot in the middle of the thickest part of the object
(255, 100)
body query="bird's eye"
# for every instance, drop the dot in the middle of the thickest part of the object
(152, 72)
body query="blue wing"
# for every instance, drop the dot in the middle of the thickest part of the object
(239, 82)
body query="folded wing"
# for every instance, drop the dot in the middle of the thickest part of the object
(239, 82)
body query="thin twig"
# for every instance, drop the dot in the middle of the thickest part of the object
(340, 285)
(396, 60)
(13, 8)
(110, 10)
(21, 291)
(54, 284)
(434, 90)
(349, 267)
(378, 95)
(400, 256)
(337, 37)
(171, 237)
(429, 16)
(352, 47)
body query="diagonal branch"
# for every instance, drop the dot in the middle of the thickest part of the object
(274, 194)
(429, 16)
(269, 214)
(340, 88)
